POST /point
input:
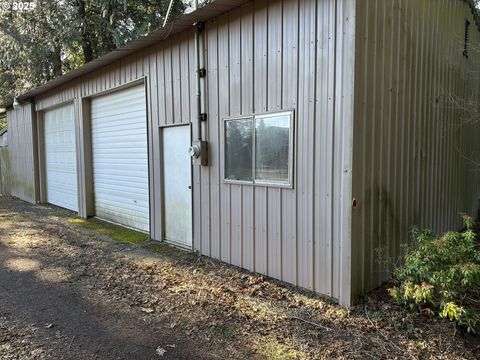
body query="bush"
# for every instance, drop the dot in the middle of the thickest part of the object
(441, 275)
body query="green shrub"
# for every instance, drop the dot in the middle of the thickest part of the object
(441, 273)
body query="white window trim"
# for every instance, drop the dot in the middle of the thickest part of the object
(291, 144)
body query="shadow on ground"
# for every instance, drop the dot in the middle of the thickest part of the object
(65, 322)
(69, 292)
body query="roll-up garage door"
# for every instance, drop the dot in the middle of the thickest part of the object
(60, 158)
(120, 158)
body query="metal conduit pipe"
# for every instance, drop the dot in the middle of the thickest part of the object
(198, 150)
(198, 29)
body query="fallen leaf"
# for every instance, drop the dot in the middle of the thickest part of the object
(146, 310)
(172, 346)
(48, 326)
(160, 351)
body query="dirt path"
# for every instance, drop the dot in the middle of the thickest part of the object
(54, 304)
(67, 292)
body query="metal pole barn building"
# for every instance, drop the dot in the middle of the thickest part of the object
(320, 132)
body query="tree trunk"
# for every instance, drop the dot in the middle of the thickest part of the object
(57, 61)
(86, 34)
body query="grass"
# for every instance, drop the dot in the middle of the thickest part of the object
(223, 331)
(275, 351)
(116, 232)
(169, 251)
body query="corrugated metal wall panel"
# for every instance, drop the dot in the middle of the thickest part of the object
(266, 56)
(410, 137)
(22, 152)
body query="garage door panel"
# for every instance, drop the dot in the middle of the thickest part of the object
(110, 203)
(120, 158)
(113, 191)
(106, 182)
(126, 125)
(60, 157)
(128, 212)
(118, 98)
(121, 116)
(133, 133)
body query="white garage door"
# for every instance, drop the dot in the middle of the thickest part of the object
(120, 158)
(60, 158)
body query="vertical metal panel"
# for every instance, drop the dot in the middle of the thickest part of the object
(85, 170)
(22, 152)
(410, 136)
(168, 73)
(235, 86)
(211, 240)
(160, 75)
(343, 152)
(290, 61)
(324, 130)
(305, 128)
(177, 82)
(4, 165)
(153, 101)
(4, 170)
(274, 103)
(247, 95)
(224, 111)
(260, 59)
(185, 84)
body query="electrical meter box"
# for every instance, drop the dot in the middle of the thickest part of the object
(199, 153)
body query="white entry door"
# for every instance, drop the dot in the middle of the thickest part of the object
(177, 171)
(120, 158)
(60, 158)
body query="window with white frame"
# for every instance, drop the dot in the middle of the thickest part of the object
(259, 149)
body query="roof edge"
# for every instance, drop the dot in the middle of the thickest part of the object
(185, 22)
(209, 11)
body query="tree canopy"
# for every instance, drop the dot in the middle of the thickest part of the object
(60, 35)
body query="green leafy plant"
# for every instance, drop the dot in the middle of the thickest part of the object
(441, 273)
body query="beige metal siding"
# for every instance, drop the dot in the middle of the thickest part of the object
(154, 64)
(265, 56)
(4, 171)
(410, 138)
(4, 164)
(22, 152)
(270, 56)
